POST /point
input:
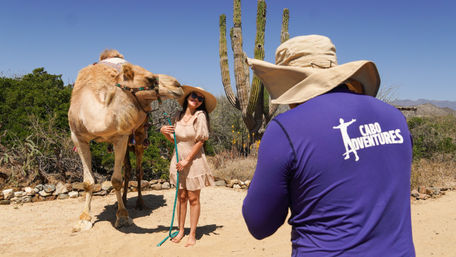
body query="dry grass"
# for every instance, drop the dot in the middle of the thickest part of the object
(231, 165)
(439, 171)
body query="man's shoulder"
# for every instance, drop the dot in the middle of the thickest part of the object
(332, 106)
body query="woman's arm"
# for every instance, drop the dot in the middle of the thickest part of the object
(195, 149)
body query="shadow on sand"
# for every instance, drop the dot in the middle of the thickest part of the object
(201, 231)
(152, 203)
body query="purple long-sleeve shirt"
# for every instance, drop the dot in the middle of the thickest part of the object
(341, 162)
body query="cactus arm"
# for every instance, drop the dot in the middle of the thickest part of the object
(224, 68)
(284, 36)
(258, 54)
(242, 81)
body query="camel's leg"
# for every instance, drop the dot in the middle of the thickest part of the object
(89, 181)
(139, 151)
(120, 146)
(127, 174)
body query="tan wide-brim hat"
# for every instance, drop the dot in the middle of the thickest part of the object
(306, 66)
(209, 100)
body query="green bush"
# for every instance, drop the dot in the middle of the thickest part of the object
(39, 94)
(157, 157)
(433, 135)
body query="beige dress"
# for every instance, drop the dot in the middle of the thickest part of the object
(198, 174)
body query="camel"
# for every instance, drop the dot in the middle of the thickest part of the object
(110, 102)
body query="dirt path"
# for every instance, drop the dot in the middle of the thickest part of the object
(44, 228)
(434, 226)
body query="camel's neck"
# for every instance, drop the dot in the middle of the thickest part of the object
(128, 113)
(144, 104)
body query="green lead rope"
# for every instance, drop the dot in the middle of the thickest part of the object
(172, 235)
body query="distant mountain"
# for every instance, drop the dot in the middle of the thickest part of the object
(425, 110)
(442, 104)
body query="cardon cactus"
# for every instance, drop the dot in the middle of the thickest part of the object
(250, 98)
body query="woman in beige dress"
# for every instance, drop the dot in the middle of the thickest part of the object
(191, 129)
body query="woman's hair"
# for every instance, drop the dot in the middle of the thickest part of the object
(202, 107)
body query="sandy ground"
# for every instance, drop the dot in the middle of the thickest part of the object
(44, 228)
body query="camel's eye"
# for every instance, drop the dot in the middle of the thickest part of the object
(153, 81)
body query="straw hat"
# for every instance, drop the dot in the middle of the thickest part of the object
(306, 66)
(209, 100)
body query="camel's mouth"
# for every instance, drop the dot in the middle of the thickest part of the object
(170, 94)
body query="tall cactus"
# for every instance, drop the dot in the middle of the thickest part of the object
(284, 36)
(269, 108)
(250, 98)
(254, 106)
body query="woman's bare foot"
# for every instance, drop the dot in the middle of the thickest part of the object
(178, 238)
(191, 241)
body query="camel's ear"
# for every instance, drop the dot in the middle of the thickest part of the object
(128, 73)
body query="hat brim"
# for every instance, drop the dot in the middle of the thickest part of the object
(209, 100)
(290, 84)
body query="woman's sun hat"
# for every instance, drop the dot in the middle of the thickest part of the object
(209, 100)
(306, 66)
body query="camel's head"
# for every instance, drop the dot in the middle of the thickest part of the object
(154, 86)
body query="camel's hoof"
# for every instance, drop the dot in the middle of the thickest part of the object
(82, 225)
(123, 221)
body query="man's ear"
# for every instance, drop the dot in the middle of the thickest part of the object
(128, 73)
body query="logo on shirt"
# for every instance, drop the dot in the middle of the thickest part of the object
(371, 136)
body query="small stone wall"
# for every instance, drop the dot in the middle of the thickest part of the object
(74, 190)
(424, 193)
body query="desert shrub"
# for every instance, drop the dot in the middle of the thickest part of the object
(39, 94)
(434, 151)
(227, 166)
(433, 135)
(45, 154)
(439, 171)
(34, 126)
(225, 121)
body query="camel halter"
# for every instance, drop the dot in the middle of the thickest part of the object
(134, 90)
(172, 235)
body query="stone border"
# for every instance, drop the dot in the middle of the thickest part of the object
(424, 193)
(74, 190)
(62, 191)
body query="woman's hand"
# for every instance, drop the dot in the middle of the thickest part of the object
(180, 166)
(167, 130)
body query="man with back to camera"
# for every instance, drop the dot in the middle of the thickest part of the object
(340, 159)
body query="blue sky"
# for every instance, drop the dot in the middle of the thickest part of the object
(412, 42)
